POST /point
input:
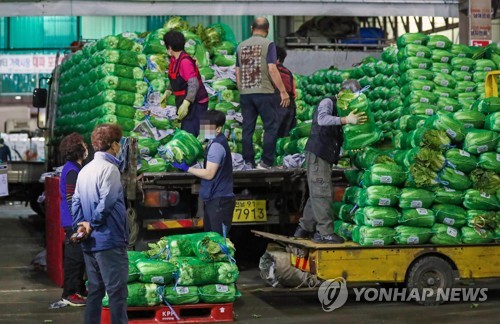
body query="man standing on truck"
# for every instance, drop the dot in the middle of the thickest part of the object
(287, 116)
(216, 176)
(323, 149)
(100, 217)
(257, 77)
(191, 97)
(4, 152)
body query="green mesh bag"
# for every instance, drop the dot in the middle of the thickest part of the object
(411, 38)
(183, 147)
(441, 56)
(471, 119)
(110, 108)
(153, 44)
(133, 256)
(445, 80)
(446, 104)
(425, 85)
(490, 161)
(461, 50)
(152, 165)
(376, 216)
(118, 42)
(488, 105)
(414, 50)
(485, 65)
(126, 124)
(444, 68)
(354, 177)
(346, 213)
(476, 235)
(384, 174)
(181, 295)
(463, 64)
(476, 199)
(446, 235)
(147, 146)
(417, 217)
(109, 69)
(492, 122)
(419, 109)
(483, 219)
(420, 96)
(133, 272)
(415, 63)
(343, 229)
(462, 76)
(206, 246)
(461, 160)
(454, 179)
(373, 236)
(117, 83)
(416, 74)
(439, 42)
(415, 198)
(379, 196)
(445, 122)
(118, 57)
(448, 196)
(485, 180)
(139, 294)
(478, 141)
(412, 235)
(117, 96)
(155, 271)
(351, 195)
(445, 92)
(216, 294)
(450, 215)
(194, 272)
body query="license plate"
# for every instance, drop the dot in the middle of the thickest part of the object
(250, 211)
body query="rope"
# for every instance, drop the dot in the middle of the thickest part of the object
(224, 247)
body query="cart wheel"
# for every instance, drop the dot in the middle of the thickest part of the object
(430, 272)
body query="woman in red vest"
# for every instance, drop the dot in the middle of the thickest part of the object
(191, 97)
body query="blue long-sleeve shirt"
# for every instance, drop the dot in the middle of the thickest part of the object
(99, 200)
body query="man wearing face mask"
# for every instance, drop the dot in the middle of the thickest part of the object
(99, 216)
(191, 97)
(216, 176)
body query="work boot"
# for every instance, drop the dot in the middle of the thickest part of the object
(302, 233)
(330, 238)
(263, 166)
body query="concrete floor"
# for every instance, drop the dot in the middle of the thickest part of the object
(25, 294)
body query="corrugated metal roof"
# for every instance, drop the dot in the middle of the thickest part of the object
(435, 8)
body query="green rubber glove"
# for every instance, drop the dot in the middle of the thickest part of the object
(183, 110)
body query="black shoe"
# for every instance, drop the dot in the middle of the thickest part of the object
(302, 233)
(331, 238)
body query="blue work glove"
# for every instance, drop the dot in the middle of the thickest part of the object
(181, 166)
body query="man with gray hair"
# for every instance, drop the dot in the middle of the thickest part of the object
(258, 78)
(322, 150)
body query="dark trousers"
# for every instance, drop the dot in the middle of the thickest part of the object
(219, 211)
(191, 123)
(263, 105)
(107, 272)
(74, 267)
(286, 117)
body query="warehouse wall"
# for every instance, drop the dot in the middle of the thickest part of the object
(306, 62)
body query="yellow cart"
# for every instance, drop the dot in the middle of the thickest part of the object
(417, 266)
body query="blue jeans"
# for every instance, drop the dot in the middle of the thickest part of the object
(263, 105)
(107, 272)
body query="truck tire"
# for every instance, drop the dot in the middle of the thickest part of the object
(430, 272)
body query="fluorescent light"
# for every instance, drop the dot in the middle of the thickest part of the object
(17, 97)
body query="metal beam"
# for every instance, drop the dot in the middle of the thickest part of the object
(361, 8)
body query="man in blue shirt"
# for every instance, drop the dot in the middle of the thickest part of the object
(99, 214)
(216, 176)
(4, 152)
